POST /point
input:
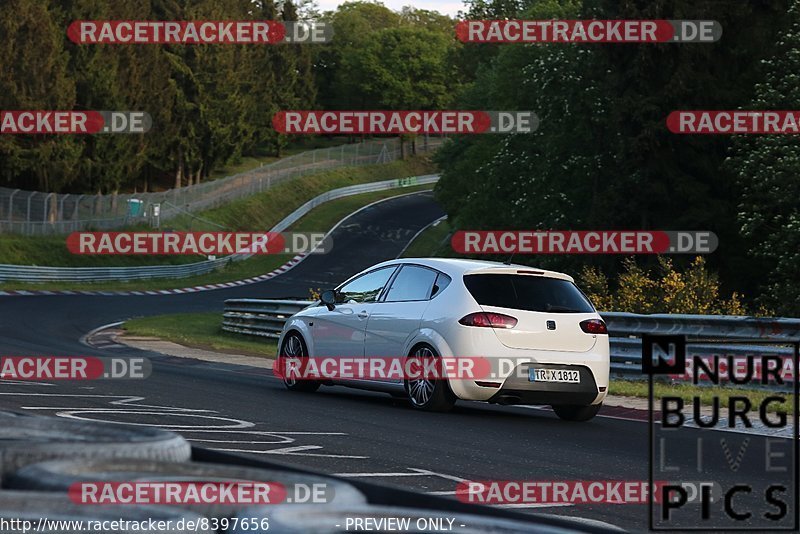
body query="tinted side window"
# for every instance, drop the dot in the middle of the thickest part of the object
(412, 283)
(366, 288)
(529, 293)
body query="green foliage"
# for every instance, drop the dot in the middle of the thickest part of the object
(34, 74)
(407, 68)
(257, 212)
(602, 157)
(434, 241)
(381, 59)
(210, 104)
(695, 290)
(767, 169)
(337, 65)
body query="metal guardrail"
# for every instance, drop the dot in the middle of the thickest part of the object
(626, 330)
(33, 273)
(28, 273)
(397, 183)
(256, 317)
(266, 318)
(705, 326)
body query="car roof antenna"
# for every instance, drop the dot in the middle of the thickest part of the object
(508, 261)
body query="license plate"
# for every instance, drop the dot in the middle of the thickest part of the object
(554, 375)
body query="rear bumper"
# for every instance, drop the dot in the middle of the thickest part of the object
(512, 380)
(518, 389)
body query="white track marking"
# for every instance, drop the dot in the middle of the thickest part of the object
(265, 432)
(297, 451)
(12, 382)
(76, 414)
(440, 475)
(414, 472)
(367, 475)
(134, 405)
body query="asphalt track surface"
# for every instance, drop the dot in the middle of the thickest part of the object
(337, 430)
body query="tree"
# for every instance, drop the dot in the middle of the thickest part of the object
(338, 65)
(35, 75)
(602, 157)
(767, 169)
(209, 104)
(406, 68)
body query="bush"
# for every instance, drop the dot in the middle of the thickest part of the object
(695, 290)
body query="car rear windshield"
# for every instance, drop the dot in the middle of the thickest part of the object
(531, 293)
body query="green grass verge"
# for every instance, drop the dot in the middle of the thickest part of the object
(258, 212)
(264, 155)
(320, 219)
(433, 241)
(52, 251)
(633, 388)
(200, 330)
(264, 210)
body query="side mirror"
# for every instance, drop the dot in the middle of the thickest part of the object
(328, 298)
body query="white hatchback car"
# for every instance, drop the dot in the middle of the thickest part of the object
(452, 308)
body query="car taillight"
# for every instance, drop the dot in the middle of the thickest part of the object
(489, 320)
(594, 326)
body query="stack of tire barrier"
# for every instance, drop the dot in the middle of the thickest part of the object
(26, 440)
(41, 458)
(59, 475)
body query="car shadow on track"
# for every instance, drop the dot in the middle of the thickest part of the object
(375, 400)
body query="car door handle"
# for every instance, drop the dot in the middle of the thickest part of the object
(363, 314)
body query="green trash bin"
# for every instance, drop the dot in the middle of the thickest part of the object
(135, 207)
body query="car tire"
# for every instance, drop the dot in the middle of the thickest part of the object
(294, 346)
(429, 395)
(27, 439)
(60, 476)
(56, 513)
(572, 412)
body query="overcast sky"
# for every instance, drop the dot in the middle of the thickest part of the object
(446, 7)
